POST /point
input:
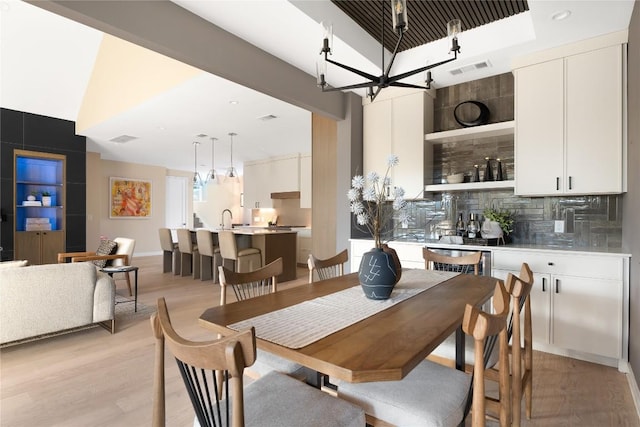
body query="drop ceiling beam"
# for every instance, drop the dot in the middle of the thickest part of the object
(166, 28)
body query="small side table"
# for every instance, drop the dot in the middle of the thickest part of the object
(125, 269)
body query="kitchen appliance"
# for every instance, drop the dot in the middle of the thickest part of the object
(485, 260)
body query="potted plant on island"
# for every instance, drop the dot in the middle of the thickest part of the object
(373, 203)
(497, 224)
(46, 198)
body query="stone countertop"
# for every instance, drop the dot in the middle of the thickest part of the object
(253, 231)
(519, 247)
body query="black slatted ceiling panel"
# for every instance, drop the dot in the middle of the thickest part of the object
(427, 19)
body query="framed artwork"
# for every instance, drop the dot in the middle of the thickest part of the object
(129, 198)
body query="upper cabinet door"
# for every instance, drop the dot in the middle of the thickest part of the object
(539, 135)
(569, 125)
(594, 121)
(397, 126)
(377, 136)
(408, 141)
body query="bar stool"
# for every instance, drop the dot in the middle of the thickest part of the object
(209, 255)
(245, 260)
(189, 256)
(169, 252)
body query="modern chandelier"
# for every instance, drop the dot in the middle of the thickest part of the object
(231, 175)
(212, 174)
(197, 180)
(400, 25)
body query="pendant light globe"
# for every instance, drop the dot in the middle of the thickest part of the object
(197, 179)
(212, 174)
(231, 175)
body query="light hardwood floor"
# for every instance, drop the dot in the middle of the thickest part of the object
(92, 378)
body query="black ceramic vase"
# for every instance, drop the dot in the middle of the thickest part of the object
(378, 274)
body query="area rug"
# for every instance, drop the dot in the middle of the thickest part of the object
(124, 311)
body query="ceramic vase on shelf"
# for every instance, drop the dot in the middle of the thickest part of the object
(499, 175)
(379, 272)
(46, 200)
(491, 230)
(488, 172)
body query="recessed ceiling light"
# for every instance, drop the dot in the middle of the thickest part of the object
(233, 102)
(561, 15)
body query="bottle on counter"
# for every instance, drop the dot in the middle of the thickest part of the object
(472, 226)
(460, 228)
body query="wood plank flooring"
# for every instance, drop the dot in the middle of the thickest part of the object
(92, 378)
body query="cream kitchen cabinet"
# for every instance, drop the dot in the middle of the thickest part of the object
(397, 126)
(569, 129)
(272, 175)
(257, 193)
(577, 302)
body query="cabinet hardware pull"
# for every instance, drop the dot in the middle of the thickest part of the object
(569, 183)
(557, 183)
(549, 263)
(557, 286)
(544, 284)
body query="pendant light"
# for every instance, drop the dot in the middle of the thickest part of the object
(211, 176)
(399, 26)
(231, 175)
(197, 180)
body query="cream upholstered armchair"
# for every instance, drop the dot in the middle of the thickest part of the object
(118, 252)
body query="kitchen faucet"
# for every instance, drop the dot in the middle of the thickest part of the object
(230, 218)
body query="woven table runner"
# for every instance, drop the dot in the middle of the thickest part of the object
(302, 324)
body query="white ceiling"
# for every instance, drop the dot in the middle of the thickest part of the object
(46, 62)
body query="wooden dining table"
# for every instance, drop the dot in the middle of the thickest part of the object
(383, 347)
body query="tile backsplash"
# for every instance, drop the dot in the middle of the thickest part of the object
(588, 221)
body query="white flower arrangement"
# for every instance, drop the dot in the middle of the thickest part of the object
(368, 197)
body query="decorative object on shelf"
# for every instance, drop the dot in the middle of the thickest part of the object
(499, 174)
(400, 25)
(231, 175)
(369, 202)
(32, 197)
(129, 198)
(46, 198)
(455, 178)
(488, 172)
(212, 174)
(497, 224)
(461, 114)
(476, 174)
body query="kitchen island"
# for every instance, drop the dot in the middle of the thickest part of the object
(273, 244)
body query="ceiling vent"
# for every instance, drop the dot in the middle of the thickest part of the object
(467, 68)
(123, 139)
(267, 117)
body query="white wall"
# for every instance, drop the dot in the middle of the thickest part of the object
(144, 230)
